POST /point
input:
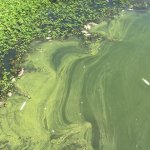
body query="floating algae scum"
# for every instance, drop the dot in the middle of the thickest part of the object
(84, 99)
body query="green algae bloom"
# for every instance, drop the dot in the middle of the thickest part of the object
(71, 98)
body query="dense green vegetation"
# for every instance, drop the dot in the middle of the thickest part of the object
(24, 21)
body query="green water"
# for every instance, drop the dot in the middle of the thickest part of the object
(84, 99)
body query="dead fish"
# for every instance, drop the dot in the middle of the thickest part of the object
(146, 82)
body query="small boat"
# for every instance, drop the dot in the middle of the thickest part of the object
(146, 82)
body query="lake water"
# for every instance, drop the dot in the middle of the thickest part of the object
(97, 99)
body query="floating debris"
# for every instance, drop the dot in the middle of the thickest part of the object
(87, 27)
(13, 80)
(92, 24)
(130, 9)
(146, 82)
(9, 94)
(23, 105)
(84, 32)
(53, 131)
(88, 34)
(21, 72)
(29, 97)
(48, 38)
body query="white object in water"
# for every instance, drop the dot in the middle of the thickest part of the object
(48, 38)
(84, 32)
(130, 9)
(88, 34)
(92, 24)
(53, 131)
(145, 81)
(23, 105)
(87, 27)
(13, 80)
(21, 72)
(81, 102)
(9, 94)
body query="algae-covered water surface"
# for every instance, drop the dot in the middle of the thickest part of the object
(71, 98)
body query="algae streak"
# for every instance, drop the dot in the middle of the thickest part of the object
(84, 100)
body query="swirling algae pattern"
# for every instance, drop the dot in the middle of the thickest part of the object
(84, 99)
